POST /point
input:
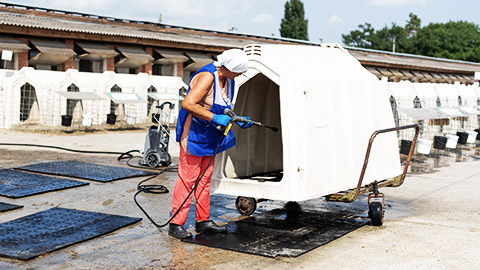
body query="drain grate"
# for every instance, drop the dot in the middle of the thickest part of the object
(17, 184)
(83, 170)
(4, 207)
(31, 236)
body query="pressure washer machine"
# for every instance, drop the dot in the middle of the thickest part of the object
(155, 153)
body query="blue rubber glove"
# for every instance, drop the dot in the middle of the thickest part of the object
(221, 119)
(243, 124)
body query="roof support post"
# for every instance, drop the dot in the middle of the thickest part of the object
(178, 70)
(147, 68)
(70, 63)
(22, 60)
(110, 62)
(22, 56)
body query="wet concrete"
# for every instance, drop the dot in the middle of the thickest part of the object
(431, 222)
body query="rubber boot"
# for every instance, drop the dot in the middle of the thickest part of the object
(178, 231)
(209, 226)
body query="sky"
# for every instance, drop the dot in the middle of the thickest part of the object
(327, 19)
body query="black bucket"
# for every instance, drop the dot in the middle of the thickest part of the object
(405, 147)
(462, 137)
(111, 118)
(478, 134)
(66, 120)
(155, 118)
(439, 142)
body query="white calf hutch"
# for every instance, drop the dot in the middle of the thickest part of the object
(442, 111)
(42, 97)
(326, 106)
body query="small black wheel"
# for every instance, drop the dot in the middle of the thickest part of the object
(168, 160)
(246, 205)
(152, 160)
(375, 213)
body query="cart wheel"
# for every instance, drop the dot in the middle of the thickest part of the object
(152, 160)
(375, 212)
(168, 161)
(246, 205)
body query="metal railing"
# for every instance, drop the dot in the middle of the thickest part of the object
(352, 195)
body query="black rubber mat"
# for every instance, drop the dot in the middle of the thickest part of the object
(84, 170)
(31, 236)
(17, 184)
(280, 233)
(4, 207)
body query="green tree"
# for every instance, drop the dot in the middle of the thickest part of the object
(367, 37)
(294, 25)
(453, 40)
(413, 25)
(360, 38)
(384, 39)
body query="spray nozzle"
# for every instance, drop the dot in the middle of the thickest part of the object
(236, 118)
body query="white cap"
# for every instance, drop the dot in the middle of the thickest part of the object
(234, 60)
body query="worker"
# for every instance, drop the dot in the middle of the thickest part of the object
(210, 92)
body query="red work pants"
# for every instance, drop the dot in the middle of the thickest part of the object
(190, 168)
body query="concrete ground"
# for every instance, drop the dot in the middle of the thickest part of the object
(433, 220)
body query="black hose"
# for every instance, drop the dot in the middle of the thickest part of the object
(160, 189)
(125, 155)
(65, 149)
(128, 155)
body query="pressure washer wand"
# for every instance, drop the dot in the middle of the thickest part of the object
(236, 118)
(274, 129)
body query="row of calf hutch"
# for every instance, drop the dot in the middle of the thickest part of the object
(448, 116)
(51, 98)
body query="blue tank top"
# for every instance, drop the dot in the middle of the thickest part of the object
(204, 137)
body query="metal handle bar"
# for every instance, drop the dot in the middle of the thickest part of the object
(170, 105)
(397, 181)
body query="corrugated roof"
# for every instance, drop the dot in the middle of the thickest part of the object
(12, 44)
(134, 57)
(410, 60)
(170, 56)
(106, 26)
(114, 30)
(50, 52)
(95, 50)
(79, 16)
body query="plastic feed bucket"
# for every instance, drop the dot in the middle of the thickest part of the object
(66, 120)
(451, 141)
(131, 118)
(424, 146)
(405, 147)
(472, 136)
(87, 120)
(462, 137)
(439, 142)
(111, 118)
